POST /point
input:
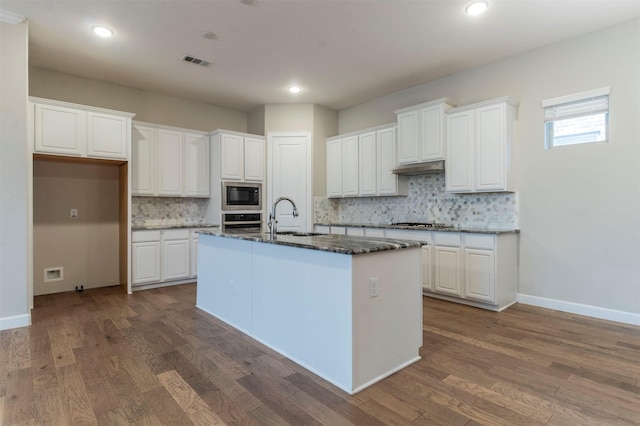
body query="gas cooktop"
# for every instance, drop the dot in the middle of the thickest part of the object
(422, 224)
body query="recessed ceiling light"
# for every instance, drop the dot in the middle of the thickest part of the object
(476, 8)
(295, 89)
(102, 31)
(248, 2)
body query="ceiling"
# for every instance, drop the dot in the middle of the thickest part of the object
(341, 52)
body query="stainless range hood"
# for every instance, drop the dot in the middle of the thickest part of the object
(420, 168)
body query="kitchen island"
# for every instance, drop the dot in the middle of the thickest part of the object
(348, 309)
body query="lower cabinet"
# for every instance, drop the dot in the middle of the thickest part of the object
(476, 269)
(163, 257)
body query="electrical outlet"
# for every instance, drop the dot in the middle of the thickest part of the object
(74, 213)
(373, 287)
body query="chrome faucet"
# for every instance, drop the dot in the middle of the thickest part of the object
(273, 222)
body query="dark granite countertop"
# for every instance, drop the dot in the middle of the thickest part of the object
(324, 242)
(468, 229)
(178, 226)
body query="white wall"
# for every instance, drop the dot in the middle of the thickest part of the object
(579, 205)
(14, 307)
(148, 106)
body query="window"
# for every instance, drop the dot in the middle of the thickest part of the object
(575, 119)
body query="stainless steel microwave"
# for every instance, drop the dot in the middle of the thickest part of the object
(241, 196)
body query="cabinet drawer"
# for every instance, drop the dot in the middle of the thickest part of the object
(145, 236)
(479, 241)
(404, 234)
(176, 234)
(451, 239)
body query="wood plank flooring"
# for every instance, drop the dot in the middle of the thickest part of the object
(103, 357)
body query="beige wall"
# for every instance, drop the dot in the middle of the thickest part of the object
(148, 106)
(579, 205)
(255, 121)
(14, 166)
(87, 246)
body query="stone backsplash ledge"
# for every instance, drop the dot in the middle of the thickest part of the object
(161, 211)
(426, 202)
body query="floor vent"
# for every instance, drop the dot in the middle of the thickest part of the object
(196, 61)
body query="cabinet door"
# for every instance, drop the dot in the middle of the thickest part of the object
(432, 134)
(447, 270)
(386, 160)
(175, 261)
(408, 137)
(60, 130)
(334, 168)
(194, 258)
(489, 148)
(108, 136)
(170, 163)
(350, 166)
(427, 268)
(143, 161)
(146, 262)
(479, 275)
(197, 165)
(367, 164)
(254, 149)
(231, 157)
(459, 156)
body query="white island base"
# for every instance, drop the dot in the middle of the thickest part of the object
(316, 307)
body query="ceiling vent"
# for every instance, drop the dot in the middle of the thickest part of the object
(196, 61)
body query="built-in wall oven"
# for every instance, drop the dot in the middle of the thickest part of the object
(241, 196)
(241, 223)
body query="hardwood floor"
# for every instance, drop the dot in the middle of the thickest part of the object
(104, 357)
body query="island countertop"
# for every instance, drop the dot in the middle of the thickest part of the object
(324, 242)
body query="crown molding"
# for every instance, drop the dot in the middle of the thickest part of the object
(11, 18)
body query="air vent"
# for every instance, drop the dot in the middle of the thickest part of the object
(196, 61)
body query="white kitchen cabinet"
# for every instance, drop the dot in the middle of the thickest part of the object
(447, 271)
(241, 157)
(367, 155)
(323, 229)
(427, 268)
(388, 183)
(197, 165)
(164, 257)
(359, 164)
(355, 231)
(421, 131)
(350, 166)
(143, 160)
(254, 149)
(176, 250)
(62, 128)
(334, 167)
(480, 149)
(479, 279)
(108, 135)
(145, 257)
(338, 230)
(169, 161)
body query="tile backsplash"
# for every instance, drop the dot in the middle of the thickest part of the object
(153, 211)
(427, 202)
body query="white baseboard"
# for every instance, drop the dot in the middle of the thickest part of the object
(15, 321)
(580, 309)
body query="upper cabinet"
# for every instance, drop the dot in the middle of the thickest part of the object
(480, 149)
(61, 128)
(359, 164)
(169, 162)
(421, 131)
(242, 156)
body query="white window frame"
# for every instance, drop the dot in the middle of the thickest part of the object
(581, 104)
